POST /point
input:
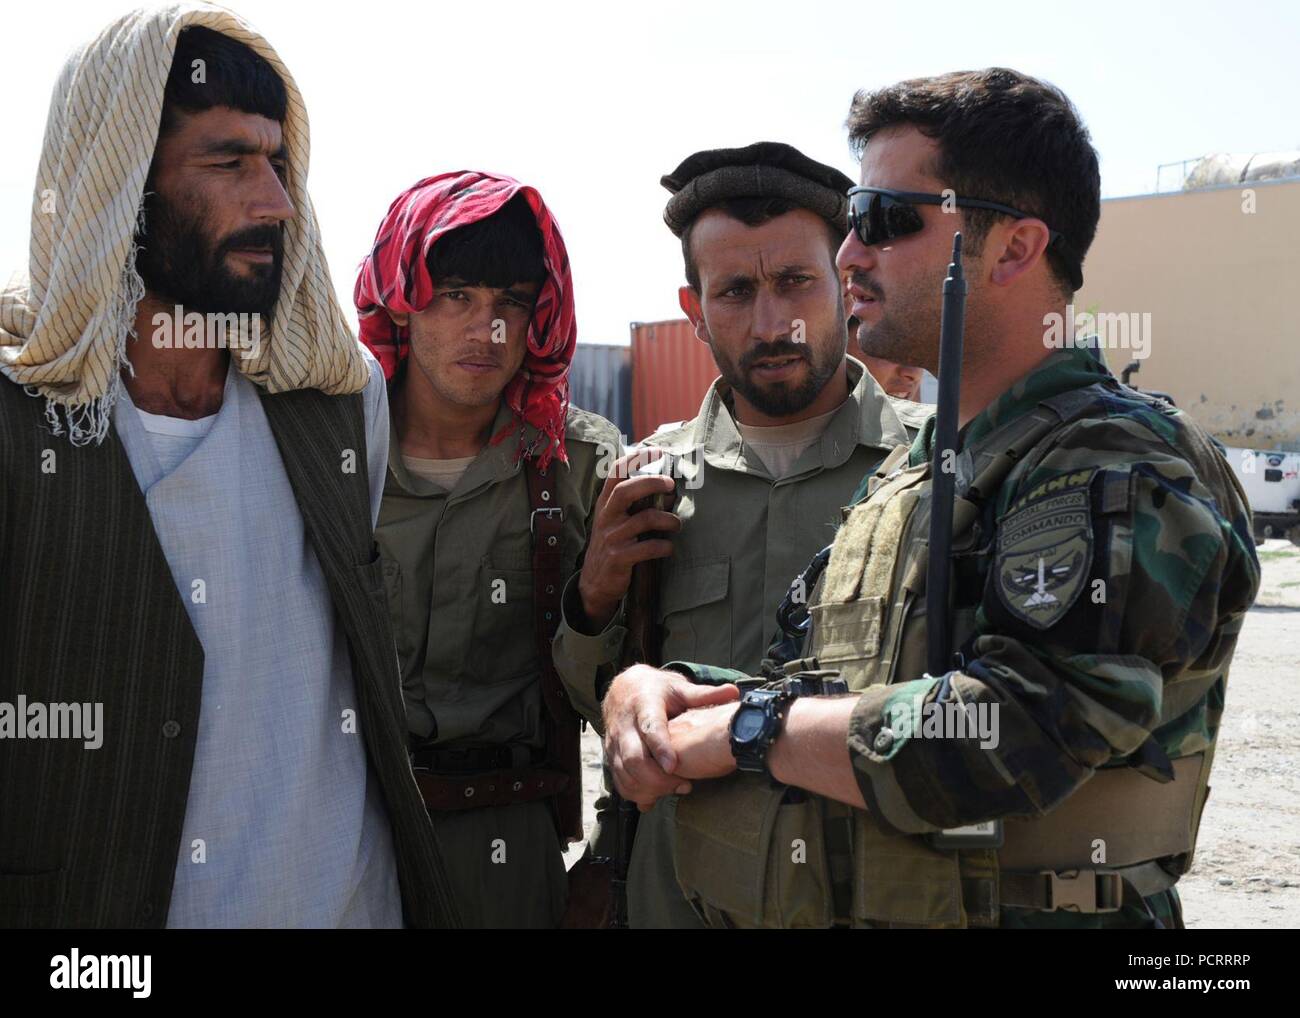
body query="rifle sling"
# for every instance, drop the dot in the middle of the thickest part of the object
(563, 748)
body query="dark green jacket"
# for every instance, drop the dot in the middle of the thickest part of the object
(89, 612)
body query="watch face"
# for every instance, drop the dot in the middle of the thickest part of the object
(748, 723)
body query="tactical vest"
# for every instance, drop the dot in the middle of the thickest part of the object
(753, 854)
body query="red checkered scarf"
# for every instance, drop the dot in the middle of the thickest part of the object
(395, 277)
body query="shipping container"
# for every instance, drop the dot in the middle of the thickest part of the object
(671, 371)
(600, 380)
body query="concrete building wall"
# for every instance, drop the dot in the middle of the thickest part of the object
(1222, 287)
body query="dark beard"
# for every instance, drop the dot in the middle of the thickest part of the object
(781, 399)
(910, 338)
(179, 262)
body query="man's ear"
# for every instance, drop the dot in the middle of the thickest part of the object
(689, 300)
(400, 318)
(1019, 246)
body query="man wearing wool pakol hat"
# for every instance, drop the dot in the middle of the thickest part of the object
(186, 529)
(467, 300)
(781, 441)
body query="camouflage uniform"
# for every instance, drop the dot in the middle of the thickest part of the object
(1099, 585)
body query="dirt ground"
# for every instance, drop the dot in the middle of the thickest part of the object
(1247, 869)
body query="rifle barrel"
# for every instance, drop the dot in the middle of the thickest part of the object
(943, 467)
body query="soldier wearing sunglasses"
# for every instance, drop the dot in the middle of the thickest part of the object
(1102, 566)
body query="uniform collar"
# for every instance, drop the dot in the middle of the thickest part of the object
(1061, 371)
(493, 463)
(864, 418)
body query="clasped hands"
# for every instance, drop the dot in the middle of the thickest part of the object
(662, 731)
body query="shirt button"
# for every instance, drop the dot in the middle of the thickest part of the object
(147, 911)
(171, 729)
(884, 739)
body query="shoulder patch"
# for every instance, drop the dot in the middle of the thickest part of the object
(1044, 549)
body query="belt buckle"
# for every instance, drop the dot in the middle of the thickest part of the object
(1084, 891)
(532, 519)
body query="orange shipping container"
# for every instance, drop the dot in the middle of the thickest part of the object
(671, 371)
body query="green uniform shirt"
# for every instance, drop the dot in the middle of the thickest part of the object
(744, 536)
(458, 568)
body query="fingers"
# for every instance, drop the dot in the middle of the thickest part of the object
(639, 551)
(652, 723)
(637, 743)
(646, 520)
(704, 696)
(646, 806)
(636, 776)
(625, 493)
(621, 469)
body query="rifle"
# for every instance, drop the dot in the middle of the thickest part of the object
(943, 488)
(643, 646)
(943, 479)
(598, 884)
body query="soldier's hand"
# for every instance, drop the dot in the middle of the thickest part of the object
(612, 546)
(702, 741)
(637, 708)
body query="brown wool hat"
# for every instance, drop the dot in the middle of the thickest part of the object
(766, 169)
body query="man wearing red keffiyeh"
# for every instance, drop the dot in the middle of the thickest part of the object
(466, 300)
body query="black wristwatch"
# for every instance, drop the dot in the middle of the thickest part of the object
(755, 725)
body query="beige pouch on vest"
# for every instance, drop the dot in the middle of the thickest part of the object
(899, 880)
(858, 603)
(747, 859)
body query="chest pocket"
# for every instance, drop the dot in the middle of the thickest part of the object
(504, 646)
(695, 611)
(853, 621)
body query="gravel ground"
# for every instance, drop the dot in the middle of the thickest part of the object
(1247, 869)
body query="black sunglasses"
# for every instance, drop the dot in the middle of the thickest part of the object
(878, 214)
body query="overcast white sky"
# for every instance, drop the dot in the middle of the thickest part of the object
(592, 103)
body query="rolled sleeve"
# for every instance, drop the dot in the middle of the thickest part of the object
(880, 729)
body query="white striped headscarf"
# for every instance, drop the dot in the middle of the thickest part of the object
(64, 324)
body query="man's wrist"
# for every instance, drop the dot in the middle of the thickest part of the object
(595, 615)
(725, 735)
(778, 754)
(583, 619)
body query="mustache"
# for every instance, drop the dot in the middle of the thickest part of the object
(778, 348)
(865, 283)
(267, 236)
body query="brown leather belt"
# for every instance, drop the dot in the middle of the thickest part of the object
(493, 788)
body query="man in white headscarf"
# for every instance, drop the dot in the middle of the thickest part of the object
(195, 652)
